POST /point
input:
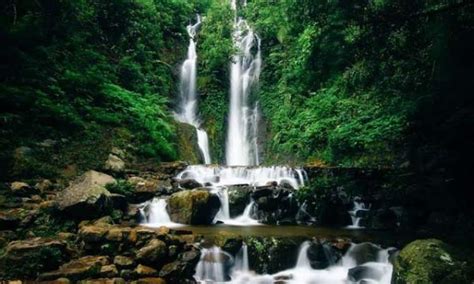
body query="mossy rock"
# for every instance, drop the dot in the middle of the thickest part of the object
(432, 261)
(188, 149)
(195, 207)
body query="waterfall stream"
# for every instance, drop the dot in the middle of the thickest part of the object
(242, 144)
(187, 112)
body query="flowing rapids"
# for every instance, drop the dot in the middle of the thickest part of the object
(187, 112)
(217, 266)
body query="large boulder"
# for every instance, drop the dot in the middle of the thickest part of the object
(25, 259)
(153, 253)
(193, 207)
(84, 267)
(239, 197)
(432, 261)
(86, 197)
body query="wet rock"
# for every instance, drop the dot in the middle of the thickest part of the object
(84, 267)
(171, 270)
(189, 183)
(364, 252)
(365, 272)
(381, 219)
(432, 261)
(153, 253)
(87, 197)
(119, 201)
(322, 255)
(114, 164)
(144, 271)
(123, 261)
(23, 189)
(193, 207)
(27, 258)
(239, 197)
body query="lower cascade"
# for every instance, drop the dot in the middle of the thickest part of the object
(218, 266)
(255, 176)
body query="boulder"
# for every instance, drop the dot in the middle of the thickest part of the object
(145, 271)
(27, 258)
(367, 272)
(44, 185)
(364, 252)
(108, 271)
(239, 197)
(84, 267)
(193, 207)
(322, 255)
(153, 253)
(86, 197)
(114, 164)
(93, 233)
(189, 184)
(432, 261)
(123, 261)
(114, 280)
(23, 189)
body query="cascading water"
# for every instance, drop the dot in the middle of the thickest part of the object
(187, 112)
(212, 268)
(154, 214)
(356, 214)
(242, 144)
(258, 176)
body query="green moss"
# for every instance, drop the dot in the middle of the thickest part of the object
(432, 261)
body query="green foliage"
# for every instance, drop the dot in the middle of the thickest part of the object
(122, 187)
(91, 67)
(215, 49)
(342, 82)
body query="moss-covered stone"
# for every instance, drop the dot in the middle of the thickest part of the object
(193, 207)
(432, 261)
(188, 149)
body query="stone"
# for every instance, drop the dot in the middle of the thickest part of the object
(87, 197)
(108, 271)
(153, 253)
(93, 233)
(27, 258)
(364, 252)
(84, 267)
(118, 234)
(123, 261)
(144, 271)
(23, 189)
(171, 270)
(114, 164)
(115, 280)
(150, 280)
(189, 183)
(365, 272)
(239, 197)
(196, 207)
(44, 185)
(322, 255)
(432, 261)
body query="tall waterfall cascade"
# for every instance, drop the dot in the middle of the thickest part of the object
(187, 109)
(242, 138)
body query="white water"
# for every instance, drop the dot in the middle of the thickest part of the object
(358, 206)
(210, 268)
(154, 214)
(380, 270)
(242, 144)
(187, 112)
(258, 176)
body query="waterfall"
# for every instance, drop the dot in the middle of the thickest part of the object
(242, 144)
(358, 207)
(154, 214)
(303, 260)
(242, 260)
(211, 266)
(224, 213)
(258, 176)
(187, 112)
